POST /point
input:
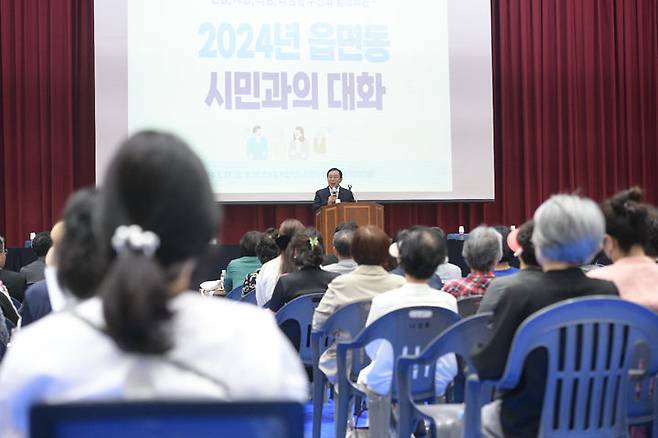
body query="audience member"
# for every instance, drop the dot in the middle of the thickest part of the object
(446, 270)
(73, 268)
(144, 336)
(305, 250)
(627, 224)
(420, 254)
(568, 231)
(271, 271)
(14, 282)
(481, 251)
(238, 269)
(343, 249)
(4, 328)
(330, 259)
(370, 250)
(266, 250)
(530, 270)
(503, 266)
(37, 301)
(394, 251)
(40, 245)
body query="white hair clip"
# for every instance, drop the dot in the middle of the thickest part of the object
(132, 237)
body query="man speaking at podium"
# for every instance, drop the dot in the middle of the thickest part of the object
(333, 193)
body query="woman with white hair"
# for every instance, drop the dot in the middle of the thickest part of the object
(482, 251)
(568, 233)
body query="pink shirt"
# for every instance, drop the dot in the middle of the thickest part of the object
(636, 279)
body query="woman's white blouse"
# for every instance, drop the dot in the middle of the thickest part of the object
(223, 349)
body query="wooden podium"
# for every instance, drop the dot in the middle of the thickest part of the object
(363, 213)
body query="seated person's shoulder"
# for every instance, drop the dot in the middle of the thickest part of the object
(602, 287)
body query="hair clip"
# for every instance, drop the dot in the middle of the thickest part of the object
(132, 237)
(313, 242)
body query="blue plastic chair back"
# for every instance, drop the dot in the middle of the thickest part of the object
(167, 419)
(458, 339)
(592, 345)
(249, 298)
(346, 322)
(236, 293)
(468, 306)
(301, 310)
(408, 330)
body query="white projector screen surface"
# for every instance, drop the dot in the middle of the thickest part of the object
(273, 93)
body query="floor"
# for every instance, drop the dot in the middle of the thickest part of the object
(327, 430)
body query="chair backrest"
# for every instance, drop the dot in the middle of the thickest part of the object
(347, 321)
(167, 419)
(410, 330)
(249, 298)
(236, 293)
(458, 339)
(469, 306)
(592, 343)
(301, 310)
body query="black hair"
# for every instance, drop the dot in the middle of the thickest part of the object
(343, 242)
(524, 237)
(350, 225)
(627, 219)
(443, 252)
(266, 248)
(651, 245)
(248, 243)
(42, 243)
(255, 128)
(79, 267)
(156, 182)
(336, 169)
(420, 252)
(508, 254)
(306, 248)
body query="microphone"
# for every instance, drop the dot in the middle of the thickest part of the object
(349, 187)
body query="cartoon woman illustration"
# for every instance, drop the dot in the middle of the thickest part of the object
(298, 146)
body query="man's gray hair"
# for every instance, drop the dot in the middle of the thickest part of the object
(483, 248)
(343, 242)
(568, 229)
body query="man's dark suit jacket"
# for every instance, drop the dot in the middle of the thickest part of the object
(322, 196)
(35, 271)
(15, 282)
(36, 304)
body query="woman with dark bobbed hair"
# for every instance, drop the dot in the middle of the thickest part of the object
(628, 229)
(146, 335)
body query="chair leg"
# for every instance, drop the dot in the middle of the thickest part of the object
(319, 385)
(341, 411)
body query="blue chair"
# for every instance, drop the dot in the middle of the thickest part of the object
(249, 298)
(167, 419)
(587, 387)
(468, 306)
(301, 310)
(235, 294)
(458, 339)
(346, 322)
(407, 330)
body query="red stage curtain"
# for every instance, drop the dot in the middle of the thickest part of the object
(47, 112)
(575, 92)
